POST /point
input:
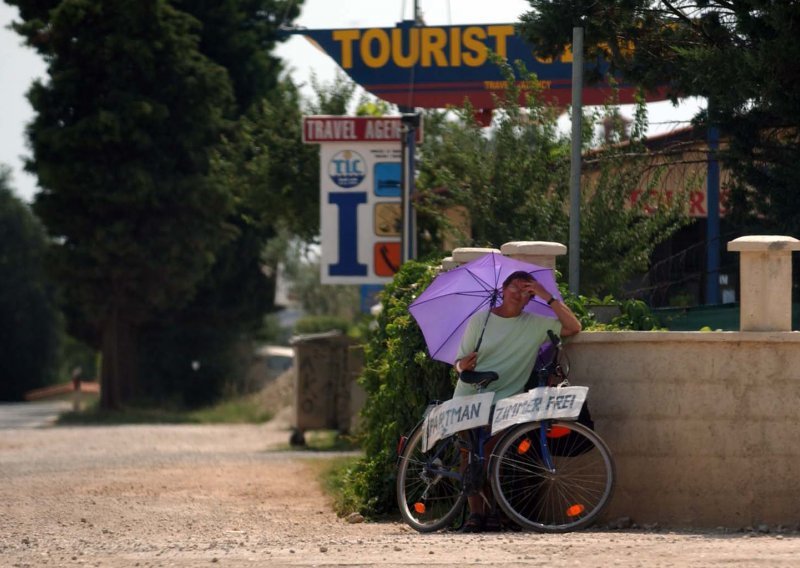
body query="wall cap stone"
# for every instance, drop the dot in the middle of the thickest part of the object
(539, 248)
(685, 336)
(764, 243)
(465, 254)
(448, 263)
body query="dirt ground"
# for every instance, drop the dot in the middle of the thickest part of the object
(125, 496)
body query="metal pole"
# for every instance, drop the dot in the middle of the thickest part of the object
(712, 224)
(411, 122)
(404, 236)
(412, 188)
(575, 162)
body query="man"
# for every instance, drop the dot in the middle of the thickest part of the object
(511, 341)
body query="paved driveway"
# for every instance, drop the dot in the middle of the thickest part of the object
(191, 496)
(31, 414)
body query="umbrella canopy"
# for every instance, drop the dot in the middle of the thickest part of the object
(444, 308)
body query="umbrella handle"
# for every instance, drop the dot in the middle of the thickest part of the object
(492, 304)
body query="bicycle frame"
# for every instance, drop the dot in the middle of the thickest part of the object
(479, 436)
(542, 377)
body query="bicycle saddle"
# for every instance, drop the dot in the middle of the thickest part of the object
(479, 377)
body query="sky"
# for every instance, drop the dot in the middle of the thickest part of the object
(20, 66)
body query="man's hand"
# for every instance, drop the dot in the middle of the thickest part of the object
(535, 288)
(468, 362)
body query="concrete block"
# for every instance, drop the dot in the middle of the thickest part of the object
(465, 254)
(765, 281)
(542, 253)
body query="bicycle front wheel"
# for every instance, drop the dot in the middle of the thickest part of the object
(429, 484)
(565, 495)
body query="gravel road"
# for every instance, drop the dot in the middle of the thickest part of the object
(125, 496)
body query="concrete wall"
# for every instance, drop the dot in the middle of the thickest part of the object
(703, 426)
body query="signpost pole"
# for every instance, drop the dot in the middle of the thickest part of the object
(575, 162)
(410, 123)
(412, 188)
(404, 194)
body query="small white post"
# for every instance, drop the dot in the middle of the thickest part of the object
(543, 253)
(463, 255)
(765, 281)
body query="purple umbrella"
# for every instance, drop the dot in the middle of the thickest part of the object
(444, 308)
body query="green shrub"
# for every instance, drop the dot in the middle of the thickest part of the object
(400, 380)
(635, 315)
(336, 478)
(319, 324)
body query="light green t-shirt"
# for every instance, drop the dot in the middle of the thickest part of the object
(509, 348)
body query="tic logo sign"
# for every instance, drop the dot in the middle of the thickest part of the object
(347, 169)
(360, 192)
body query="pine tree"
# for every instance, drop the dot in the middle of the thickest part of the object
(121, 143)
(29, 319)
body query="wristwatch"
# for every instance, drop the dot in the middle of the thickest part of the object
(551, 300)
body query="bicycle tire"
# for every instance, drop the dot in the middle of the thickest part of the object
(572, 496)
(429, 502)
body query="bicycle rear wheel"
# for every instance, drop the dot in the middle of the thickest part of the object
(429, 484)
(568, 497)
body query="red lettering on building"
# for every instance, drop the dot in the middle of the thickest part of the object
(697, 204)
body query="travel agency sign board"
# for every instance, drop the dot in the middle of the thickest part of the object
(360, 161)
(439, 66)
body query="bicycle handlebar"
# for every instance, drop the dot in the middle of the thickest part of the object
(554, 339)
(543, 372)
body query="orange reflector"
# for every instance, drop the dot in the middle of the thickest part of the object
(524, 446)
(419, 508)
(557, 432)
(575, 510)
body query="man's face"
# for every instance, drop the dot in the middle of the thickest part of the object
(517, 292)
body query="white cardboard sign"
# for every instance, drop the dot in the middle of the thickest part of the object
(455, 415)
(541, 403)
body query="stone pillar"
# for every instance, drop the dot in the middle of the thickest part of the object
(765, 281)
(543, 253)
(448, 263)
(463, 255)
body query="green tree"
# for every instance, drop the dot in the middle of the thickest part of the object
(121, 143)
(619, 232)
(29, 318)
(513, 177)
(271, 177)
(240, 35)
(193, 353)
(267, 156)
(400, 380)
(510, 194)
(302, 270)
(742, 56)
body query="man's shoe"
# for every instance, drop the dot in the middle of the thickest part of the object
(475, 523)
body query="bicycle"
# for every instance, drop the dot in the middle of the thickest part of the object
(550, 475)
